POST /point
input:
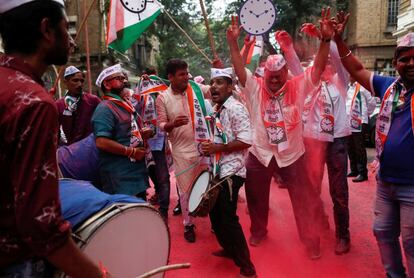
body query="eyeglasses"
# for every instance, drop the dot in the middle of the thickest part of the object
(119, 78)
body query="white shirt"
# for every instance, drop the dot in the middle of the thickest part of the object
(292, 104)
(341, 122)
(236, 125)
(369, 102)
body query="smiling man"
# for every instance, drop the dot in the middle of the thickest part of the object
(181, 113)
(75, 108)
(232, 138)
(394, 207)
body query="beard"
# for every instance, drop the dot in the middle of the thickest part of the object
(59, 54)
(117, 91)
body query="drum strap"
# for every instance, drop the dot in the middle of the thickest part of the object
(229, 183)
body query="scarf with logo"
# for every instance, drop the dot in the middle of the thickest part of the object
(136, 139)
(355, 120)
(273, 118)
(391, 100)
(71, 104)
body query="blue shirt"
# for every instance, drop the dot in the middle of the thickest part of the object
(397, 160)
(118, 174)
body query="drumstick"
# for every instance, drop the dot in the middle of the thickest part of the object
(163, 269)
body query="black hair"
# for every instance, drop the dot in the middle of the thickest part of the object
(20, 27)
(174, 65)
(398, 51)
(150, 70)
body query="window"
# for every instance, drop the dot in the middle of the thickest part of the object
(392, 12)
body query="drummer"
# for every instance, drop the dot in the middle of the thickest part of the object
(232, 138)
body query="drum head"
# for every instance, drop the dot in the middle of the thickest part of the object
(199, 188)
(130, 242)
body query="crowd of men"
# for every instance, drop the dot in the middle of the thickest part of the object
(283, 120)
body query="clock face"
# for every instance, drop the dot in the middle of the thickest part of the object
(134, 6)
(280, 133)
(257, 16)
(327, 125)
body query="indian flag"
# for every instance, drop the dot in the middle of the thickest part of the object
(254, 52)
(154, 84)
(127, 20)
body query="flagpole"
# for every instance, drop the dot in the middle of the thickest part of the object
(210, 35)
(88, 60)
(75, 39)
(188, 37)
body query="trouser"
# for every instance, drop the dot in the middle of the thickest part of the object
(394, 215)
(334, 155)
(227, 228)
(160, 176)
(302, 197)
(357, 152)
(187, 219)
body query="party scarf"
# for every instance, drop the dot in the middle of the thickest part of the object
(384, 119)
(356, 110)
(218, 130)
(197, 112)
(327, 119)
(136, 139)
(272, 115)
(149, 114)
(71, 104)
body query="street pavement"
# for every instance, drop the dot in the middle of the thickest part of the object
(281, 254)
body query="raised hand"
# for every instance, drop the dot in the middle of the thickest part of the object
(248, 42)
(284, 39)
(341, 21)
(311, 30)
(327, 25)
(233, 32)
(217, 63)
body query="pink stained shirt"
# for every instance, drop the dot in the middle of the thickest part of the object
(292, 102)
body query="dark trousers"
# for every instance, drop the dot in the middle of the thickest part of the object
(334, 155)
(357, 152)
(302, 197)
(227, 228)
(160, 176)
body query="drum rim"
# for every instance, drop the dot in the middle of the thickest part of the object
(127, 206)
(192, 186)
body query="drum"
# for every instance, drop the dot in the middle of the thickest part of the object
(203, 195)
(80, 160)
(129, 239)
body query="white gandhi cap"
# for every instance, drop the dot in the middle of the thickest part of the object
(7, 5)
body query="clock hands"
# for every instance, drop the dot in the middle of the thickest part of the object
(258, 15)
(253, 13)
(265, 12)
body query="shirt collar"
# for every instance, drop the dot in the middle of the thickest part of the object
(19, 64)
(226, 104)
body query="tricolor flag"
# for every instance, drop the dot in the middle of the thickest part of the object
(153, 85)
(254, 52)
(127, 20)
